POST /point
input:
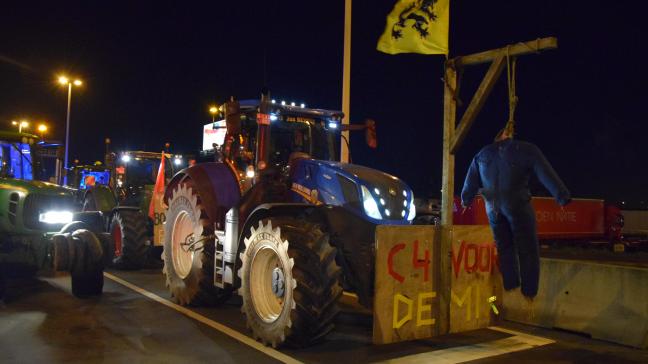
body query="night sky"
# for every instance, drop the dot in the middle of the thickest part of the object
(152, 68)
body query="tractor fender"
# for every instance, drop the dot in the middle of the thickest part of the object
(216, 184)
(103, 197)
(334, 218)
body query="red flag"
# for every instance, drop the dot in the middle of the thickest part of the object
(158, 190)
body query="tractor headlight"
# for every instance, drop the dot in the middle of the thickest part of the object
(369, 204)
(412, 209)
(55, 217)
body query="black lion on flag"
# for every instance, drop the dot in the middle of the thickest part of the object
(421, 12)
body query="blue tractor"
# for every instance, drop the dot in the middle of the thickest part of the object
(277, 218)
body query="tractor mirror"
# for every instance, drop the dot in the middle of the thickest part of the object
(233, 116)
(370, 133)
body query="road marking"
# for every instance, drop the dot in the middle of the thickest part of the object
(519, 341)
(211, 323)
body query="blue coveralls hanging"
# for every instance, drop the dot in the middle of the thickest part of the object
(502, 170)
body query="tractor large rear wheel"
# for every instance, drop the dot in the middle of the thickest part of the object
(289, 282)
(130, 239)
(189, 251)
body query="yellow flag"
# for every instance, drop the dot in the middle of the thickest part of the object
(417, 26)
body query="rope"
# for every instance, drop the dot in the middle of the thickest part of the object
(513, 99)
(459, 74)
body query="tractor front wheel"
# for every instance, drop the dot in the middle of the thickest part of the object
(289, 282)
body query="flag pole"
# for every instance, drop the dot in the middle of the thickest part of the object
(346, 81)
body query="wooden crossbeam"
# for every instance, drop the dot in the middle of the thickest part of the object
(477, 102)
(517, 49)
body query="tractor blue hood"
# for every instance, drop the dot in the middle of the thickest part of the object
(342, 184)
(372, 178)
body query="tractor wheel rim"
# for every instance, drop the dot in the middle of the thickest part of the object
(182, 256)
(117, 239)
(267, 285)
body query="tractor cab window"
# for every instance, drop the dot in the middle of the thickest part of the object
(16, 160)
(241, 152)
(46, 158)
(305, 137)
(324, 143)
(287, 138)
(141, 172)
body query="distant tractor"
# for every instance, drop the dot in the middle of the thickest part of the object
(280, 220)
(85, 177)
(122, 192)
(39, 229)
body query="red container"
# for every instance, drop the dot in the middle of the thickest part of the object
(581, 219)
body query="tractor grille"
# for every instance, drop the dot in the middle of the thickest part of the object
(37, 204)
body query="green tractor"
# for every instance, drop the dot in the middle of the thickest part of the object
(124, 204)
(39, 228)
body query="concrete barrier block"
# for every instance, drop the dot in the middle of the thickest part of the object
(606, 301)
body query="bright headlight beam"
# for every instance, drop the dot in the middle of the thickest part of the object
(369, 204)
(412, 209)
(56, 217)
(125, 158)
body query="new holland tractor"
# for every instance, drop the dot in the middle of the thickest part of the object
(39, 229)
(121, 191)
(280, 221)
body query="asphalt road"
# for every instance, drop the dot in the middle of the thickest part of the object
(136, 322)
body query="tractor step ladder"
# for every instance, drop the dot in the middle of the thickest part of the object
(221, 271)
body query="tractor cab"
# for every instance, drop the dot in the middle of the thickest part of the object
(135, 173)
(23, 157)
(137, 168)
(85, 177)
(16, 159)
(266, 143)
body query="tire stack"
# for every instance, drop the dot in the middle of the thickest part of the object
(80, 252)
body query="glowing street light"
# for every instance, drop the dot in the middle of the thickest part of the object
(42, 128)
(213, 110)
(64, 80)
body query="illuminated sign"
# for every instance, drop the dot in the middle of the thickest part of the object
(214, 133)
(299, 119)
(263, 119)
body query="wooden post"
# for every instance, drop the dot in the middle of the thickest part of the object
(447, 196)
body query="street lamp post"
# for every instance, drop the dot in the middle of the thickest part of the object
(66, 81)
(20, 124)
